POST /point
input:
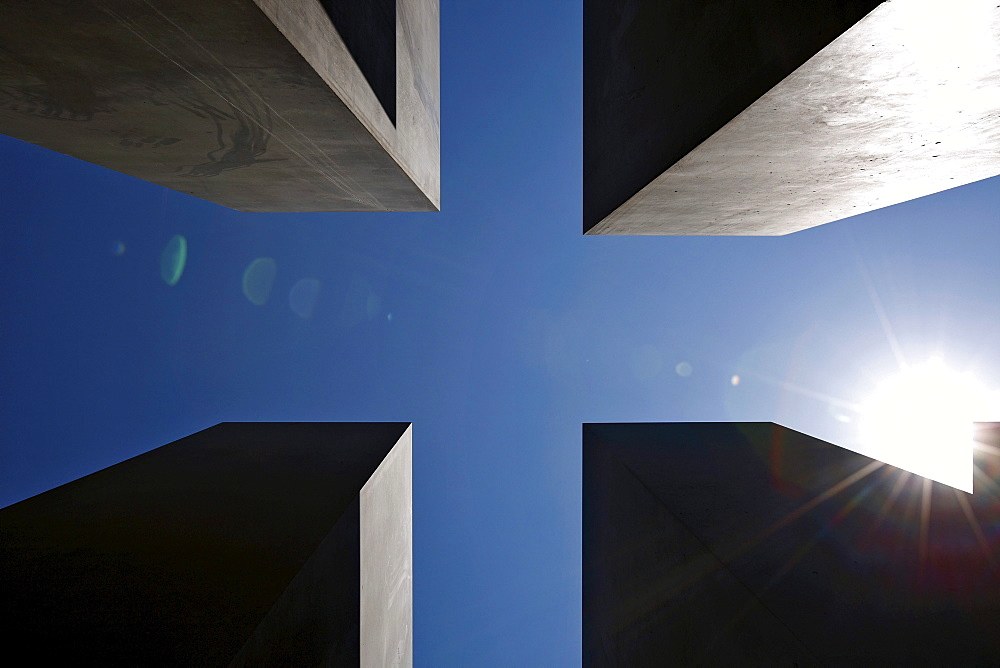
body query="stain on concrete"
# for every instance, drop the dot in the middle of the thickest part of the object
(231, 110)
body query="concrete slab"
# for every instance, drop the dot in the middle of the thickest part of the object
(752, 544)
(258, 105)
(387, 561)
(904, 103)
(239, 545)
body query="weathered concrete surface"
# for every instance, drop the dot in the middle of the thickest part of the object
(752, 544)
(660, 76)
(387, 561)
(414, 140)
(252, 104)
(240, 544)
(368, 30)
(904, 104)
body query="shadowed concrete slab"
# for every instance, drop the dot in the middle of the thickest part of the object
(752, 544)
(258, 105)
(244, 544)
(904, 103)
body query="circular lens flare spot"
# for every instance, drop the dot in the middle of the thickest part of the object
(258, 280)
(172, 260)
(302, 297)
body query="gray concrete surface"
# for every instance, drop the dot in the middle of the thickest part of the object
(903, 104)
(256, 105)
(660, 76)
(414, 140)
(387, 561)
(368, 29)
(753, 544)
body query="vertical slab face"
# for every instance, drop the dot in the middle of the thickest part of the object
(412, 134)
(387, 561)
(368, 30)
(660, 76)
(752, 544)
(238, 543)
(253, 104)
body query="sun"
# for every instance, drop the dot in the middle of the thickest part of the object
(921, 420)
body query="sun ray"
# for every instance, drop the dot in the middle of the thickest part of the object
(901, 478)
(977, 529)
(986, 483)
(883, 318)
(834, 489)
(851, 504)
(925, 516)
(806, 392)
(987, 448)
(723, 561)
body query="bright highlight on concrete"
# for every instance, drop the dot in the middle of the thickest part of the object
(922, 420)
(172, 260)
(904, 103)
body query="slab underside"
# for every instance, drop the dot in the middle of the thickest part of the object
(242, 543)
(903, 104)
(213, 100)
(660, 76)
(752, 544)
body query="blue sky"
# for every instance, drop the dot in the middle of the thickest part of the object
(493, 326)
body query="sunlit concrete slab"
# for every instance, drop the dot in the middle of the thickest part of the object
(259, 105)
(752, 544)
(279, 544)
(684, 133)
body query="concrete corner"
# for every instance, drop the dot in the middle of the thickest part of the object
(753, 544)
(245, 544)
(257, 105)
(765, 119)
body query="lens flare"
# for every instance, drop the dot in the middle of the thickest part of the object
(258, 279)
(172, 260)
(302, 297)
(921, 420)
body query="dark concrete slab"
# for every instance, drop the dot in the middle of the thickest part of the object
(255, 105)
(752, 544)
(659, 77)
(239, 542)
